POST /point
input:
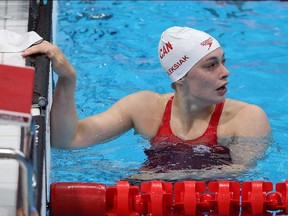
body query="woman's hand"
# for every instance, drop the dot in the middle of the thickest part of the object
(60, 64)
(64, 117)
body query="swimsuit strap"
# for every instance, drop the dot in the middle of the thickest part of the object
(167, 113)
(216, 115)
(165, 124)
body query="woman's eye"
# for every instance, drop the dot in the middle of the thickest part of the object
(211, 65)
(223, 61)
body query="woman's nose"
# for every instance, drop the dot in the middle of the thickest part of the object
(224, 73)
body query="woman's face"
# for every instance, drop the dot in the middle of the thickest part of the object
(206, 81)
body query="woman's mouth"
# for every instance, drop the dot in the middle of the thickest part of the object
(222, 89)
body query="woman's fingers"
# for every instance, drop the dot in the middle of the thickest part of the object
(37, 49)
(59, 62)
(43, 48)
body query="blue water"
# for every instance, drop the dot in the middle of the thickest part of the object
(113, 47)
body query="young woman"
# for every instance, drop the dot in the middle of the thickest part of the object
(196, 121)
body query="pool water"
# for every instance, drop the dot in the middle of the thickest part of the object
(113, 47)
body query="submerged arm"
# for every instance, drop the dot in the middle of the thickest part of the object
(252, 137)
(247, 151)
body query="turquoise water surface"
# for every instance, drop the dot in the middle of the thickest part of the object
(113, 46)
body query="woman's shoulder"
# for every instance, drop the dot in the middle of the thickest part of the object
(233, 106)
(245, 118)
(150, 98)
(152, 94)
(144, 103)
(145, 108)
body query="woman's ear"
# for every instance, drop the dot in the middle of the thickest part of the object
(180, 81)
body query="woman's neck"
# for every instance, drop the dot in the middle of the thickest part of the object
(186, 114)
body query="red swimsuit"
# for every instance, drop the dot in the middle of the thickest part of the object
(170, 152)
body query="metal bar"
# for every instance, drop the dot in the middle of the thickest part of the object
(27, 173)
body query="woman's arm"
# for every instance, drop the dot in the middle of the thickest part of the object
(66, 130)
(63, 112)
(252, 136)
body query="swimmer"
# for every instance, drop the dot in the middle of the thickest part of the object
(196, 119)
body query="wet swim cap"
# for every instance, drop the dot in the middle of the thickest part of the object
(180, 48)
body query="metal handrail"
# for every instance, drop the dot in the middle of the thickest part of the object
(26, 177)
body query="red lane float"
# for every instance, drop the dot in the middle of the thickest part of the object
(282, 189)
(188, 199)
(158, 198)
(254, 197)
(120, 199)
(227, 197)
(76, 198)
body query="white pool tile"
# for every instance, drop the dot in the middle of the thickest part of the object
(10, 136)
(10, 142)
(18, 9)
(14, 15)
(10, 130)
(7, 211)
(9, 170)
(16, 22)
(8, 197)
(17, 29)
(2, 24)
(8, 192)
